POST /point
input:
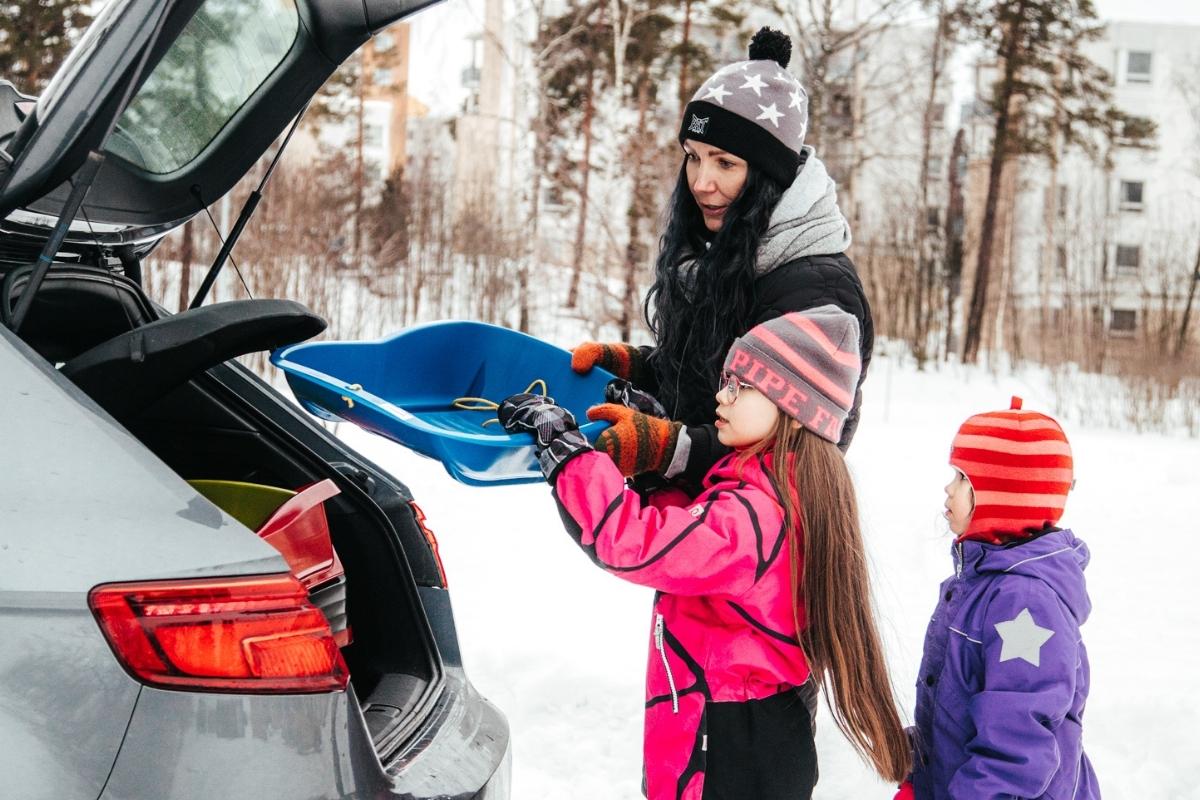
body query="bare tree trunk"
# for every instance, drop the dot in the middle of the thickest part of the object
(925, 262)
(187, 252)
(581, 229)
(1181, 342)
(955, 225)
(635, 251)
(356, 253)
(683, 60)
(987, 234)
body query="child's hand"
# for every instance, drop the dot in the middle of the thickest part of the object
(637, 442)
(556, 436)
(536, 414)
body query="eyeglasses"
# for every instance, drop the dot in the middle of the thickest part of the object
(731, 385)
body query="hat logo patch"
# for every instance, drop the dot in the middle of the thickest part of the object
(699, 124)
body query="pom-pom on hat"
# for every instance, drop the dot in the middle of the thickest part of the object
(1020, 468)
(754, 109)
(805, 362)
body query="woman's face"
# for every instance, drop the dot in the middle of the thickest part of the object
(716, 179)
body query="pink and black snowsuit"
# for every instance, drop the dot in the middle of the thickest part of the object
(723, 631)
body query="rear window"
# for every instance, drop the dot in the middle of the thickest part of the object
(222, 56)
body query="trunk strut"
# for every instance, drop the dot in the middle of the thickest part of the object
(243, 217)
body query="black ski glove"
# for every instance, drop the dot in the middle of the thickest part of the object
(556, 436)
(621, 392)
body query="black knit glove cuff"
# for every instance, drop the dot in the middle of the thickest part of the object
(561, 449)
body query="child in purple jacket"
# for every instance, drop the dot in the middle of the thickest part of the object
(1004, 676)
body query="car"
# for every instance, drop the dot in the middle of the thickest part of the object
(203, 593)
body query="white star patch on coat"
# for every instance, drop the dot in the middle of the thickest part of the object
(754, 82)
(772, 113)
(1023, 638)
(797, 98)
(717, 93)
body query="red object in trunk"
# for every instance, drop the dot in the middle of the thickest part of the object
(299, 530)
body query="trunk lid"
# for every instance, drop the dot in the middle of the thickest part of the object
(195, 91)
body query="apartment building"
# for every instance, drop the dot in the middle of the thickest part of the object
(1109, 243)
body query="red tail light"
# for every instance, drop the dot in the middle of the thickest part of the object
(429, 537)
(256, 634)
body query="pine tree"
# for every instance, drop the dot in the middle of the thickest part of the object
(1049, 96)
(35, 37)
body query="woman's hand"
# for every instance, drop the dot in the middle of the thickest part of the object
(623, 360)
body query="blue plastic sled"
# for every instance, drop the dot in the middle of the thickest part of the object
(403, 388)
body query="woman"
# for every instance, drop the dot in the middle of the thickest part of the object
(753, 232)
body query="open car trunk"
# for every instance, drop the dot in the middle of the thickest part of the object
(223, 423)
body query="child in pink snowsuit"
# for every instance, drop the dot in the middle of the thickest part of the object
(761, 579)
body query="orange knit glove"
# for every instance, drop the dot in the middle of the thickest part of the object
(637, 442)
(623, 360)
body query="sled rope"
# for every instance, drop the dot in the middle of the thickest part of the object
(483, 404)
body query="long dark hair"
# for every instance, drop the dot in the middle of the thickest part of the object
(703, 291)
(831, 594)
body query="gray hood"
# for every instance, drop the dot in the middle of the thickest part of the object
(807, 220)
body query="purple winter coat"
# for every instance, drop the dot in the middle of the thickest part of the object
(1004, 676)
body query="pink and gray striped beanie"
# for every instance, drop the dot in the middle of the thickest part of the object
(807, 363)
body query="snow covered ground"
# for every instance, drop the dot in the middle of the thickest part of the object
(560, 645)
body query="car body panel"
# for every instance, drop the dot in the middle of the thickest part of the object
(64, 700)
(310, 746)
(118, 512)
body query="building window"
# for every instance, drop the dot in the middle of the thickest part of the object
(372, 135)
(1062, 198)
(384, 42)
(382, 76)
(936, 167)
(1131, 195)
(938, 115)
(552, 198)
(1137, 66)
(1060, 259)
(1128, 256)
(933, 217)
(1123, 322)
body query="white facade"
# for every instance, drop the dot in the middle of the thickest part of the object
(891, 82)
(1121, 237)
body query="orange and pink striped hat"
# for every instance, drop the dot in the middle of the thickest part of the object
(1020, 468)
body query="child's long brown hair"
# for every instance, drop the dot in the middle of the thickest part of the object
(840, 641)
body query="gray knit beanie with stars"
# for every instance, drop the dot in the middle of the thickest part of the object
(754, 109)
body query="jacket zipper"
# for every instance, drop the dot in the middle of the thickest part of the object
(658, 642)
(958, 562)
